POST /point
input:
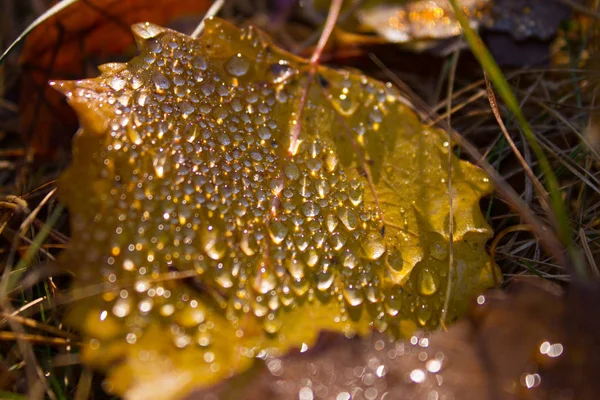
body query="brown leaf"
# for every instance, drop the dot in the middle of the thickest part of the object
(530, 342)
(68, 45)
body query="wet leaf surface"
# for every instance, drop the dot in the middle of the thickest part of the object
(223, 237)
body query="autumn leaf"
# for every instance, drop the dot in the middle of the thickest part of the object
(62, 47)
(522, 343)
(409, 22)
(221, 237)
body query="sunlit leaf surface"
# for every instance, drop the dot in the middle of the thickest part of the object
(205, 235)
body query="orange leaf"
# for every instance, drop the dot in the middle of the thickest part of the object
(62, 47)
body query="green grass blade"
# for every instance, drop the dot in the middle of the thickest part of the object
(32, 250)
(492, 69)
(58, 7)
(11, 395)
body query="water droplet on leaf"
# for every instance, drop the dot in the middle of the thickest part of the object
(237, 65)
(373, 246)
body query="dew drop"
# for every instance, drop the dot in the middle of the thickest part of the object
(213, 243)
(203, 338)
(314, 164)
(277, 232)
(264, 133)
(305, 184)
(302, 243)
(116, 83)
(222, 276)
(295, 267)
(355, 196)
(191, 134)
(348, 218)
(259, 309)
(373, 246)
(264, 281)
(181, 341)
(337, 240)
(394, 260)
(285, 295)
(311, 258)
(237, 65)
(273, 302)
(428, 283)
(186, 108)
(121, 308)
(136, 82)
(280, 72)
(353, 295)
(248, 245)
(438, 250)
(310, 209)
(393, 304)
(133, 135)
(349, 260)
(272, 324)
(300, 286)
(158, 162)
(373, 293)
(331, 222)
(292, 172)
(344, 104)
(376, 116)
(160, 81)
(324, 280)
(200, 63)
(332, 162)
(207, 88)
(276, 185)
(423, 315)
(314, 149)
(322, 187)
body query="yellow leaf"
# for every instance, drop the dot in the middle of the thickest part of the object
(223, 238)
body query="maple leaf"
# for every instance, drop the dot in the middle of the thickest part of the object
(222, 237)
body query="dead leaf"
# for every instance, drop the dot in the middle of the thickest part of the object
(222, 238)
(68, 45)
(524, 343)
(409, 22)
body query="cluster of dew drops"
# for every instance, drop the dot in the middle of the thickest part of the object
(200, 180)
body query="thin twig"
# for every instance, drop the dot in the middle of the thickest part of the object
(543, 195)
(32, 323)
(588, 252)
(212, 11)
(445, 310)
(334, 12)
(7, 335)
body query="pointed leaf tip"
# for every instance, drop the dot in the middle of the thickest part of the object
(112, 68)
(146, 30)
(64, 87)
